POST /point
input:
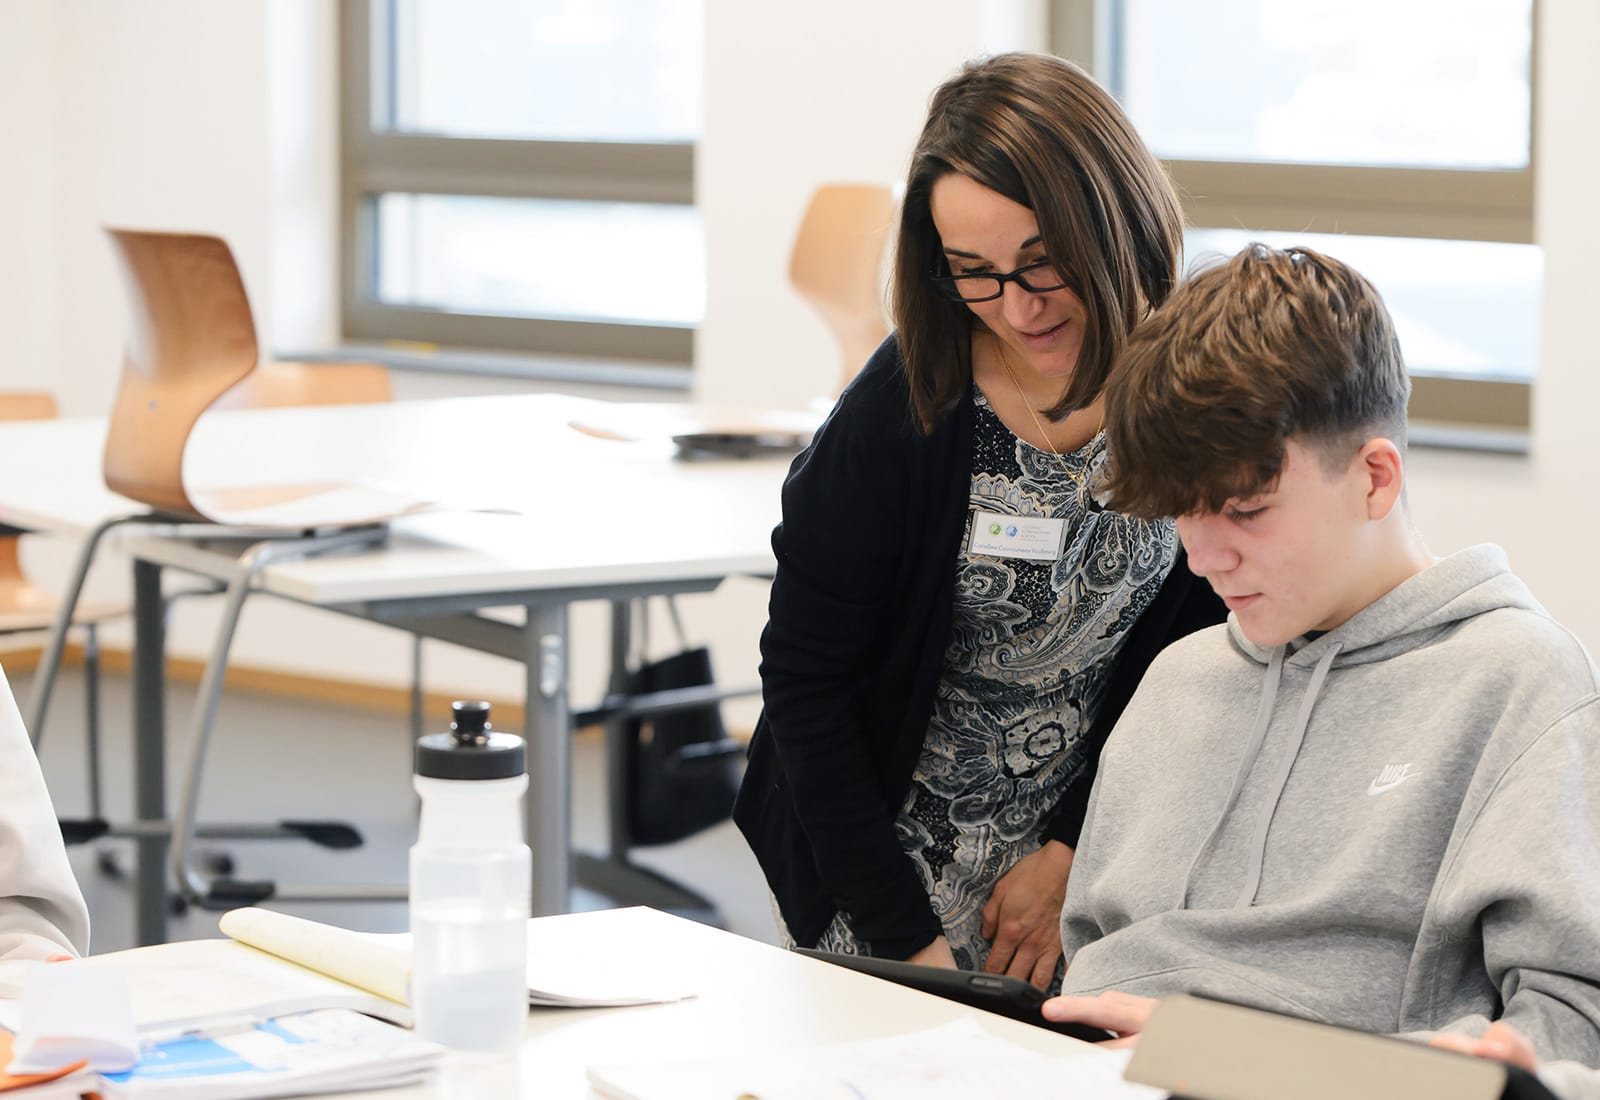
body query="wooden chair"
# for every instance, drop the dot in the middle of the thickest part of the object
(283, 385)
(26, 609)
(837, 263)
(192, 348)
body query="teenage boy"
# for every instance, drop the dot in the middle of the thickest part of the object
(1372, 796)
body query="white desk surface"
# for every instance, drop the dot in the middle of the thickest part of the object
(587, 511)
(587, 516)
(753, 998)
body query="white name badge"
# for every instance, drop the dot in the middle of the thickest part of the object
(1031, 537)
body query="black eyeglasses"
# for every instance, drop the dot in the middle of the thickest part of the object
(1039, 278)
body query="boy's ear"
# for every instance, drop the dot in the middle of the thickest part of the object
(1383, 466)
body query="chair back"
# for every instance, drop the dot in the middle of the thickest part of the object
(192, 347)
(191, 338)
(282, 384)
(837, 266)
(27, 405)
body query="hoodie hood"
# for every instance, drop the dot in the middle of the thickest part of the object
(1460, 587)
(1456, 588)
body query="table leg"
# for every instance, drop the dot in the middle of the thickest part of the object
(149, 751)
(549, 802)
(618, 838)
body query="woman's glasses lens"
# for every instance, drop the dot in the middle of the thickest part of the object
(1038, 278)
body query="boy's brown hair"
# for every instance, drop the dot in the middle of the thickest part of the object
(1270, 345)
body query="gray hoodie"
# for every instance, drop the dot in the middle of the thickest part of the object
(1393, 827)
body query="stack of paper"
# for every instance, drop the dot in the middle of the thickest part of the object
(330, 1050)
(958, 1061)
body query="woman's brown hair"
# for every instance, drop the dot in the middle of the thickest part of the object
(1041, 132)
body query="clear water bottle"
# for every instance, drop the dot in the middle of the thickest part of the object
(470, 886)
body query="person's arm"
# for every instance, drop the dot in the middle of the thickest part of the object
(838, 549)
(1518, 896)
(937, 953)
(42, 913)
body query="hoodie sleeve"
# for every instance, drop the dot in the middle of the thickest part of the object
(41, 908)
(1570, 1080)
(1518, 899)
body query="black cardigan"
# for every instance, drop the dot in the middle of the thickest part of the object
(858, 623)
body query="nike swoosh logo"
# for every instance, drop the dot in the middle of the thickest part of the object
(1376, 788)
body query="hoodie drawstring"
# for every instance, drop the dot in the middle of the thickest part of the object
(1258, 841)
(1258, 735)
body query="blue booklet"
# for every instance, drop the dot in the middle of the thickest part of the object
(328, 1050)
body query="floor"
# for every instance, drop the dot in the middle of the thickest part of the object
(276, 758)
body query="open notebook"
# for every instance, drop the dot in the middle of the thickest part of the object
(274, 964)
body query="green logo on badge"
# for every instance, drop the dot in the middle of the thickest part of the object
(994, 528)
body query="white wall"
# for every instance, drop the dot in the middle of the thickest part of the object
(1543, 509)
(830, 105)
(126, 119)
(29, 73)
(220, 117)
(841, 101)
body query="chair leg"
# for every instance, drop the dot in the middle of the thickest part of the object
(91, 695)
(185, 862)
(205, 709)
(619, 761)
(44, 681)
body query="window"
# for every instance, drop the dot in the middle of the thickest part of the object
(1390, 133)
(518, 175)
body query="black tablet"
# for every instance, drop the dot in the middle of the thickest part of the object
(740, 444)
(1198, 1048)
(1010, 997)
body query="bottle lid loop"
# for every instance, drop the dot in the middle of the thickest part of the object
(471, 749)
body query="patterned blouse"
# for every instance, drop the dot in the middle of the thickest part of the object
(1031, 650)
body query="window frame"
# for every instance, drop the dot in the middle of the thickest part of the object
(1447, 204)
(375, 162)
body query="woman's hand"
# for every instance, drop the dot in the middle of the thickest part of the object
(1121, 1013)
(936, 953)
(1023, 917)
(1499, 1041)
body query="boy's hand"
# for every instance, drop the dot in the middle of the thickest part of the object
(1023, 917)
(1499, 1041)
(1122, 1013)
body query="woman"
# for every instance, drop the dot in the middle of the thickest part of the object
(954, 623)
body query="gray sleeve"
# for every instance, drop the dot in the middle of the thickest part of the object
(1079, 926)
(41, 908)
(1571, 1080)
(1519, 896)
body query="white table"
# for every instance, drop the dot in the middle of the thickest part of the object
(754, 999)
(590, 519)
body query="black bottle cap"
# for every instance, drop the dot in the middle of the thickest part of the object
(471, 749)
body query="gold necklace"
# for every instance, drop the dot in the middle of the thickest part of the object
(1025, 402)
